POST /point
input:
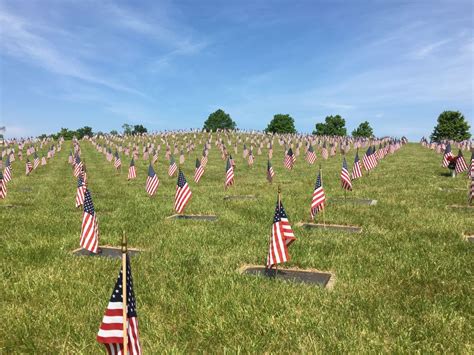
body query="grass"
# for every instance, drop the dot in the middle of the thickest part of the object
(404, 284)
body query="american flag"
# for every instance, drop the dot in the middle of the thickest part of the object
(229, 175)
(447, 154)
(117, 161)
(198, 171)
(250, 158)
(270, 171)
(204, 158)
(282, 236)
(319, 198)
(356, 169)
(155, 157)
(70, 159)
(172, 167)
(132, 171)
(80, 191)
(232, 161)
(471, 191)
(152, 181)
(181, 157)
(324, 152)
(289, 159)
(183, 193)
(461, 165)
(77, 166)
(111, 330)
(471, 169)
(90, 225)
(36, 161)
(345, 179)
(369, 159)
(43, 160)
(310, 155)
(28, 167)
(7, 172)
(3, 187)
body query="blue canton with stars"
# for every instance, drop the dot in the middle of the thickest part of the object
(88, 205)
(117, 292)
(279, 212)
(181, 179)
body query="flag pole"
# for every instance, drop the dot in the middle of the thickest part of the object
(124, 293)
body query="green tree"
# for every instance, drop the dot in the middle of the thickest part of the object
(219, 119)
(139, 129)
(281, 124)
(364, 130)
(84, 131)
(451, 125)
(67, 134)
(127, 128)
(113, 132)
(334, 126)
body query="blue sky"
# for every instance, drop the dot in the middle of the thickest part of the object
(169, 64)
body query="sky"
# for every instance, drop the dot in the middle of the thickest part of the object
(169, 64)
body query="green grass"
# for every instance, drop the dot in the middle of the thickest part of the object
(404, 284)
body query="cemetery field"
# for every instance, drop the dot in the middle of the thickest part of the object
(404, 284)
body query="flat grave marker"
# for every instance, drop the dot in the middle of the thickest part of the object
(107, 252)
(312, 277)
(198, 217)
(355, 201)
(334, 227)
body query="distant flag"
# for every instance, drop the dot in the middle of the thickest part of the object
(132, 171)
(471, 191)
(36, 161)
(319, 197)
(152, 181)
(346, 182)
(281, 237)
(28, 167)
(461, 165)
(3, 187)
(7, 172)
(90, 225)
(250, 158)
(324, 152)
(471, 169)
(229, 175)
(80, 191)
(356, 169)
(204, 158)
(270, 171)
(310, 155)
(369, 159)
(183, 193)
(447, 154)
(43, 160)
(172, 167)
(77, 166)
(289, 159)
(198, 171)
(155, 157)
(232, 161)
(181, 157)
(117, 161)
(111, 330)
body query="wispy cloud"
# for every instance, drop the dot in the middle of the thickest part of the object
(426, 50)
(20, 40)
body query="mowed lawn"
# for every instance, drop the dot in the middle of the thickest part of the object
(404, 284)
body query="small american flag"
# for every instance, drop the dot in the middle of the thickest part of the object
(90, 225)
(181, 157)
(152, 181)
(461, 165)
(250, 158)
(28, 167)
(229, 174)
(7, 172)
(270, 171)
(447, 155)
(183, 193)
(471, 191)
(198, 171)
(324, 152)
(356, 169)
(111, 330)
(289, 159)
(471, 169)
(172, 167)
(117, 161)
(77, 166)
(282, 236)
(204, 158)
(132, 171)
(36, 161)
(319, 197)
(3, 187)
(345, 179)
(43, 161)
(310, 155)
(70, 158)
(368, 160)
(80, 191)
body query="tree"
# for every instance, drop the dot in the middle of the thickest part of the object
(113, 132)
(67, 134)
(139, 129)
(364, 130)
(451, 125)
(219, 119)
(334, 126)
(127, 128)
(84, 131)
(281, 124)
